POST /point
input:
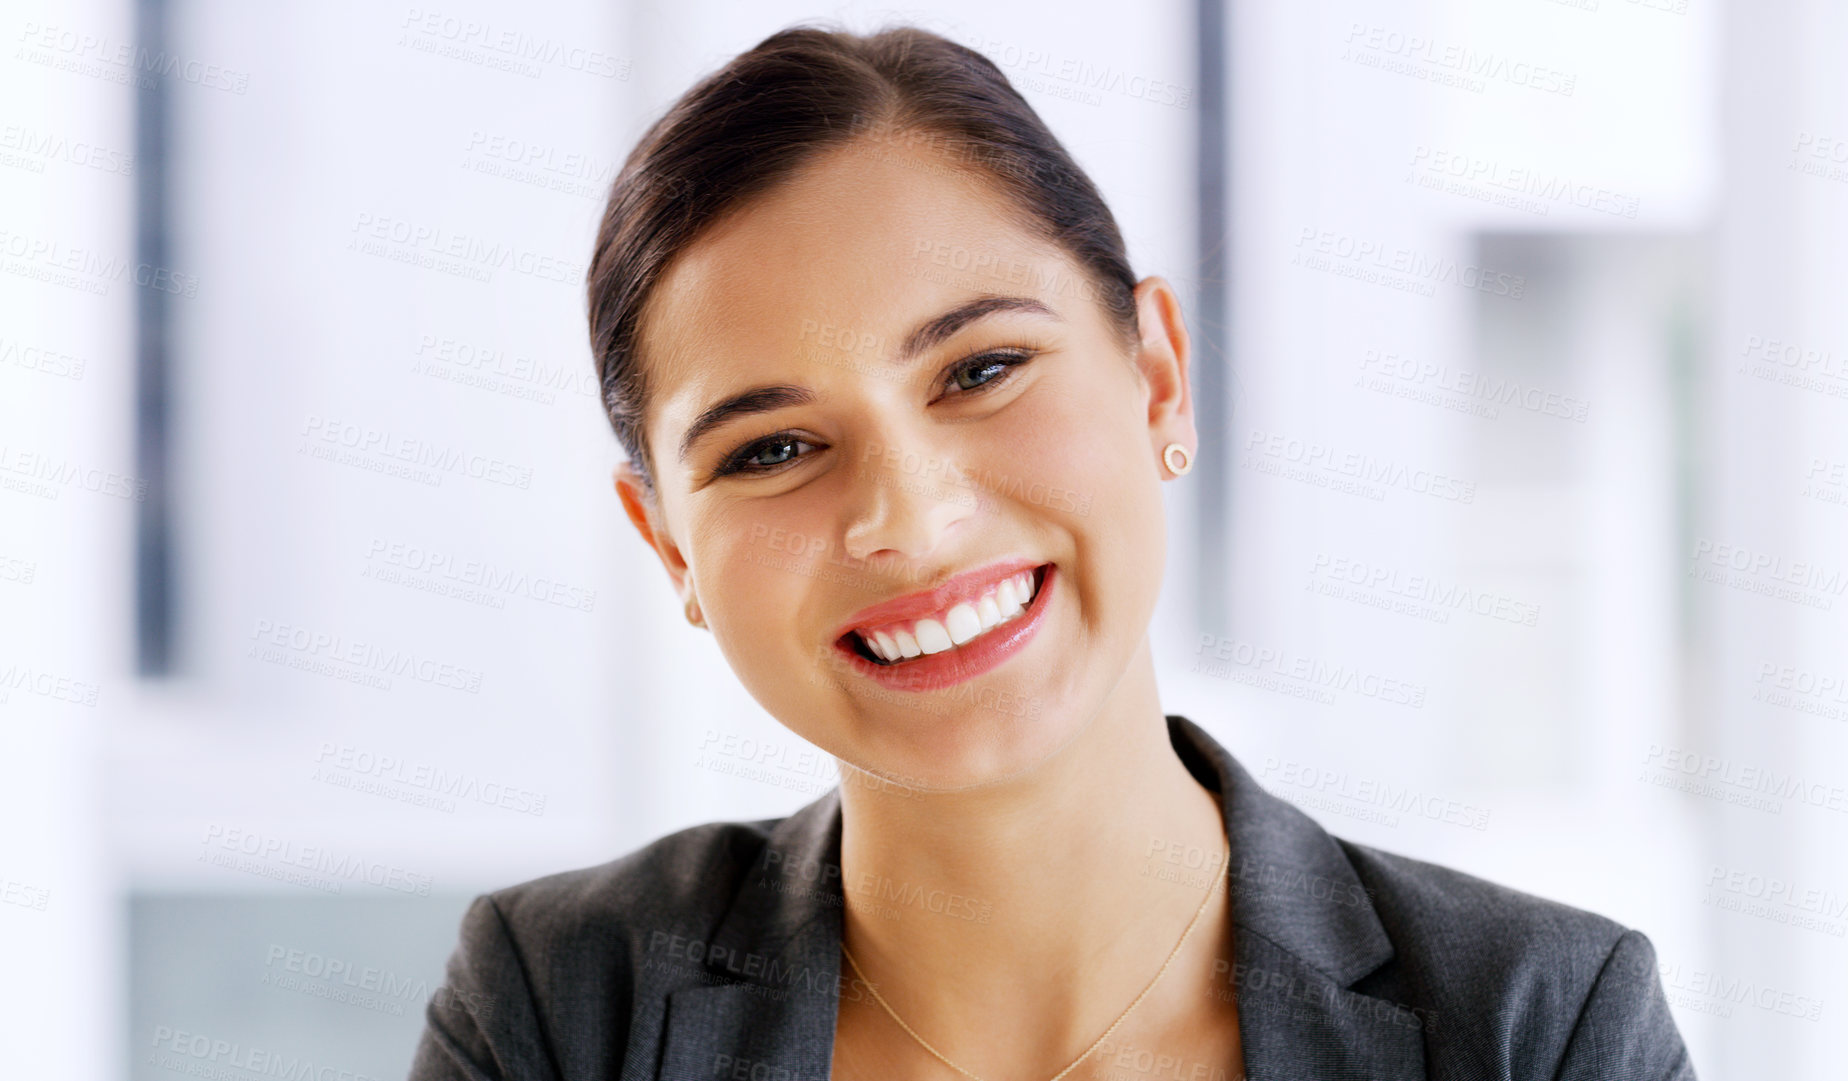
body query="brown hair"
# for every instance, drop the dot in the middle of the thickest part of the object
(775, 107)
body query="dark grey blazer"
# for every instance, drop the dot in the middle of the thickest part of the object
(713, 953)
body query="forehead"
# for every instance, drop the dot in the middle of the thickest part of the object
(860, 245)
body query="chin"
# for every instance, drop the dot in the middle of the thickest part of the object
(966, 746)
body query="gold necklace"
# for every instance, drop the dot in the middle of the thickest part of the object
(1172, 954)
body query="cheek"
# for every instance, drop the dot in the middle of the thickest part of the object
(1075, 447)
(1086, 444)
(756, 564)
(762, 569)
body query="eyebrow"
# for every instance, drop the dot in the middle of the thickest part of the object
(933, 332)
(939, 330)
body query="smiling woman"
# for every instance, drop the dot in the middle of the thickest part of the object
(851, 289)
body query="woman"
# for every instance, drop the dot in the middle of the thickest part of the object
(897, 416)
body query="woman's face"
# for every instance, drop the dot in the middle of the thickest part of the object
(951, 417)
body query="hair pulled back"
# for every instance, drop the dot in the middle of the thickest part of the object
(798, 93)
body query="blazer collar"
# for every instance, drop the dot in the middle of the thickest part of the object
(773, 962)
(1305, 932)
(1290, 881)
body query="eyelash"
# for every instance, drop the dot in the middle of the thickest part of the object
(1010, 360)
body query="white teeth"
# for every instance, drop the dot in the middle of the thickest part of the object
(932, 638)
(964, 624)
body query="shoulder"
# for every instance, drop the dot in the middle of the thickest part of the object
(680, 883)
(1458, 916)
(1556, 986)
(542, 967)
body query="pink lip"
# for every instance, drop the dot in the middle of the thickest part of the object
(966, 586)
(954, 665)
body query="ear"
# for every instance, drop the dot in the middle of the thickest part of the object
(1163, 352)
(644, 512)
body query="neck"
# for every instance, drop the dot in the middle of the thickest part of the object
(959, 903)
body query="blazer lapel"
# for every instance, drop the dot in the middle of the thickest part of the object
(1295, 1022)
(1305, 931)
(772, 968)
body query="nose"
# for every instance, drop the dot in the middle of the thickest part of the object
(905, 503)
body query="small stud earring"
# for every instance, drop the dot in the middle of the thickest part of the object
(692, 610)
(1168, 454)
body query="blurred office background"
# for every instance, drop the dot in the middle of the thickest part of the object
(1516, 543)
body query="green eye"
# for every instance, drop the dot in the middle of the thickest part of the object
(765, 455)
(787, 445)
(1000, 363)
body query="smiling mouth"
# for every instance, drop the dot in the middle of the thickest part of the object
(961, 624)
